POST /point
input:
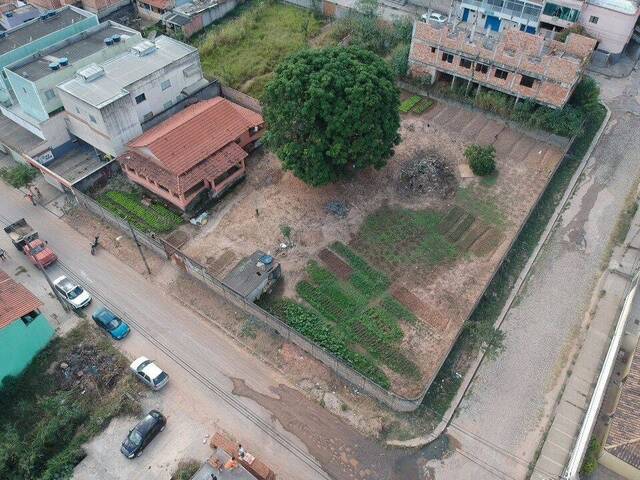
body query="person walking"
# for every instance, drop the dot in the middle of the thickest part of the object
(38, 193)
(3, 255)
(29, 195)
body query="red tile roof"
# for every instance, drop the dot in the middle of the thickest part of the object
(197, 132)
(161, 4)
(15, 300)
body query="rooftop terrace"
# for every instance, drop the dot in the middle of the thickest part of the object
(38, 28)
(73, 49)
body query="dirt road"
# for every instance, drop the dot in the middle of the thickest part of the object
(202, 362)
(502, 420)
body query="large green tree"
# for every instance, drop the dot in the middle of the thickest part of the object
(331, 111)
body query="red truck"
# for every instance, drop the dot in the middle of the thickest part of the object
(26, 239)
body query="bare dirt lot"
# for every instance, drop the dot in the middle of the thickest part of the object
(438, 270)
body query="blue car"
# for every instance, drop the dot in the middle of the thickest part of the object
(110, 323)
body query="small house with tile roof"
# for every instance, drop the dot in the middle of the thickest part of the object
(24, 331)
(197, 153)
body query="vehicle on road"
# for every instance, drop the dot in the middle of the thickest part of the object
(434, 17)
(27, 240)
(74, 294)
(149, 373)
(141, 435)
(111, 323)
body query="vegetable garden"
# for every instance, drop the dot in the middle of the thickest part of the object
(155, 218)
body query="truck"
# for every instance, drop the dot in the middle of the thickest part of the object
(27, 240)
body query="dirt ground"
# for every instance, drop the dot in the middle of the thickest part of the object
(443, 297)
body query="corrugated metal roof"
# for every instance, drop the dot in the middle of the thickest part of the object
(621, 6)
(15, 300)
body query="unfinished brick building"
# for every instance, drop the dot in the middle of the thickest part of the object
(517, 63)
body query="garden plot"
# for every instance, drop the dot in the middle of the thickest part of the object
(348, 279)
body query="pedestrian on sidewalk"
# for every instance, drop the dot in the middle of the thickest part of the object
(3, 255)
(29, 195)
(38, 193)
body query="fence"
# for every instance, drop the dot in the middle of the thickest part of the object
(193, 268)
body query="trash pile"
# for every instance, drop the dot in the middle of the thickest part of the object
(427, 173)
(337, 208)
(89, 368)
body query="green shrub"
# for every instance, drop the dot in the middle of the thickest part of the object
(495, 102)
(586, 96)
(18, 176)
(482, 159)
(409, 103)
(400, 60)
(590, 462)
(186, 469)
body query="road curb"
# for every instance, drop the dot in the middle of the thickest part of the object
(471, 373)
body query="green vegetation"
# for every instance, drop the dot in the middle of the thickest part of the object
(447, 381)
(590, 462)
(409, 103)
(482, 159)
(186, 469)
(18, 176)
(482, 207)
(566, 122)
(399, 237)
(155, 218)
(45, 418)
(422, 106)
(355, 319)
(372, 33)
(244, 51)
(331, 111)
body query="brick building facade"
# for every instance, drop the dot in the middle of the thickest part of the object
(517, 63)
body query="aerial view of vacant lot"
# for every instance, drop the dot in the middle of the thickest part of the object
(386, 266)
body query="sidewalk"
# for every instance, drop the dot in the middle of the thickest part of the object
(571, 408)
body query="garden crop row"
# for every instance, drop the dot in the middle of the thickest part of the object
(364, 276)
(409, 103)
(155, 218)
(327, 336)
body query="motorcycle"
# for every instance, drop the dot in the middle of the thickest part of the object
(94, 245)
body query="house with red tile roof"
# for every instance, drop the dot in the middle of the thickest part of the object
(24, 331)
(197, 153)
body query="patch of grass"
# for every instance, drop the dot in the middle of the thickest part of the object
(396, 237)
(44, 422)
(590, 462)
(484, 208)
(18, 176)
(155, 218)
(409, 103)
(244, 51)
(186, 469)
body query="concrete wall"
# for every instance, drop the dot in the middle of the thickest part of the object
(103, 8)
(19, 343)
(616, 465)
(157, 99)
(27, 93)
(613, 30)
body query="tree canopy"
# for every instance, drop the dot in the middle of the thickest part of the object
(330, 111)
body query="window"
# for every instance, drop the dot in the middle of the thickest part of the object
(464, 63)
(49, 94)
(501, 74)
(562, 13)
(482, 68)
(29, 317)
(433, 49)
(196, 188)
(92, 118)
(141, 98)
(526, 81)
(167, 105)
(447, 57)
(255, 129)
(166, 84)
(226, 175)
(147, 116)
(593, 19)
(163, 187)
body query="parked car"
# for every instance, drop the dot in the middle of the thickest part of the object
(110, 323)
(27, 240)
(149, 373)
(434, 17)
(74, 294)
(141, 435)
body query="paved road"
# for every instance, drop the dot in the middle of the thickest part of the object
(175, 337)
(510, 398)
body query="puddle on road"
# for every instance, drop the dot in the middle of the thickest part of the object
(411, 466)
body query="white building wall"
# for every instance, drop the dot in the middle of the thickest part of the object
(613, 29)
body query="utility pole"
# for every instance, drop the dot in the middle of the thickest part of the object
(55, 292)
(135, 239)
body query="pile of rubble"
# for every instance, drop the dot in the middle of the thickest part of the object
(88, 367)
(337, 208)
(427, 173)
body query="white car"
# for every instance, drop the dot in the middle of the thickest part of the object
(434, 17)
(149, 373)
(74, 294)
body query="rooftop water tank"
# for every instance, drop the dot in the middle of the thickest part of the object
(116, 38)
(108, 41)
(63, 61)
(267, 260)
(54, 66)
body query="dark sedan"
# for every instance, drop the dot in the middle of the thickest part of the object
(141, 435)
(109, 322)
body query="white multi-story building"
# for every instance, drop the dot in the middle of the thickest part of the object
(107, 104)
